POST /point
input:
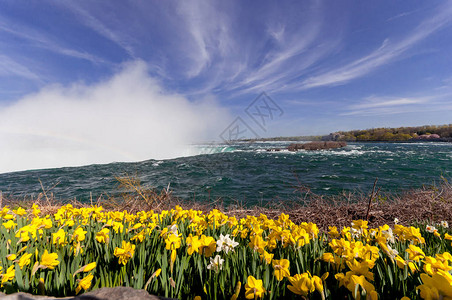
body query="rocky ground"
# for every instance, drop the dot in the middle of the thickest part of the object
(117, 293)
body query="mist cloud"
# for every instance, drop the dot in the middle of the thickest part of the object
(127, 117)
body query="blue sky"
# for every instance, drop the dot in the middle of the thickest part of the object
(329, 65)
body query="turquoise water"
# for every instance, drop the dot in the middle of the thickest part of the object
(249, 174)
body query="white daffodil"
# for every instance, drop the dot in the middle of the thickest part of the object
(216, 263)
(173, 229)
(388, 235)
(231, 244)
(355, 233)
(392, 252)
(430, 228)
(225, 243)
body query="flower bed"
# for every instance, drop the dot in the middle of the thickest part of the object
(189, 254)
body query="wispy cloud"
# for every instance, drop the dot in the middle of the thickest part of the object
(286, 54)
(196, 15)
(228, 60)
(39, 39)
(373, 102)
(401, 15)
(374, 105)
(386, 53)
(98, 26)
(10, 67)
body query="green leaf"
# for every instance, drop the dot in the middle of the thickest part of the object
(19, 278)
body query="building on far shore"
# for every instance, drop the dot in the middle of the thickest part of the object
(335, 136)
(427, 136)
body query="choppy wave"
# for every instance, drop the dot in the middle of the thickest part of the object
(249, 173)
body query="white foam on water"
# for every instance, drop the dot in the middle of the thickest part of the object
(194, 150)
(330, 176)
(157, 163)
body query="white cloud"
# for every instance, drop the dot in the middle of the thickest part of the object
(125, 118)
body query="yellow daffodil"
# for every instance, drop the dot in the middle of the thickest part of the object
(9, 275)
(208, 245)
(363, 284)
(139, 236)
(400, 262)
(69, 223)
(281, 268)
(49, 260)
(173, 242)
(85, 268)
(20, 211)
(11, 257)
(333, 233)
(58, 238)
(36, 210)
(361, 268)
(5, 213)
(254, 288)
(436, 287)
(103, 235)
(25, 260)
(302, 284)
(89, 267)
(432, 265)
(157, 273)
(257, 243)
(125, 252)
(118, 227)
(79, 234)
(9, 224)
(193, 244)
(267, 257)
(328, 257)
(415, 253)
(85, 283)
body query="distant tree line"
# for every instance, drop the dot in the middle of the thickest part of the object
(426, 132)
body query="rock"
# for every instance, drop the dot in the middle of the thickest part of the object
(25, 296)
(316, 146)
(116, 293)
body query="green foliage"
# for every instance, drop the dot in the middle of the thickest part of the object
(355, 251)
(396, 134)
